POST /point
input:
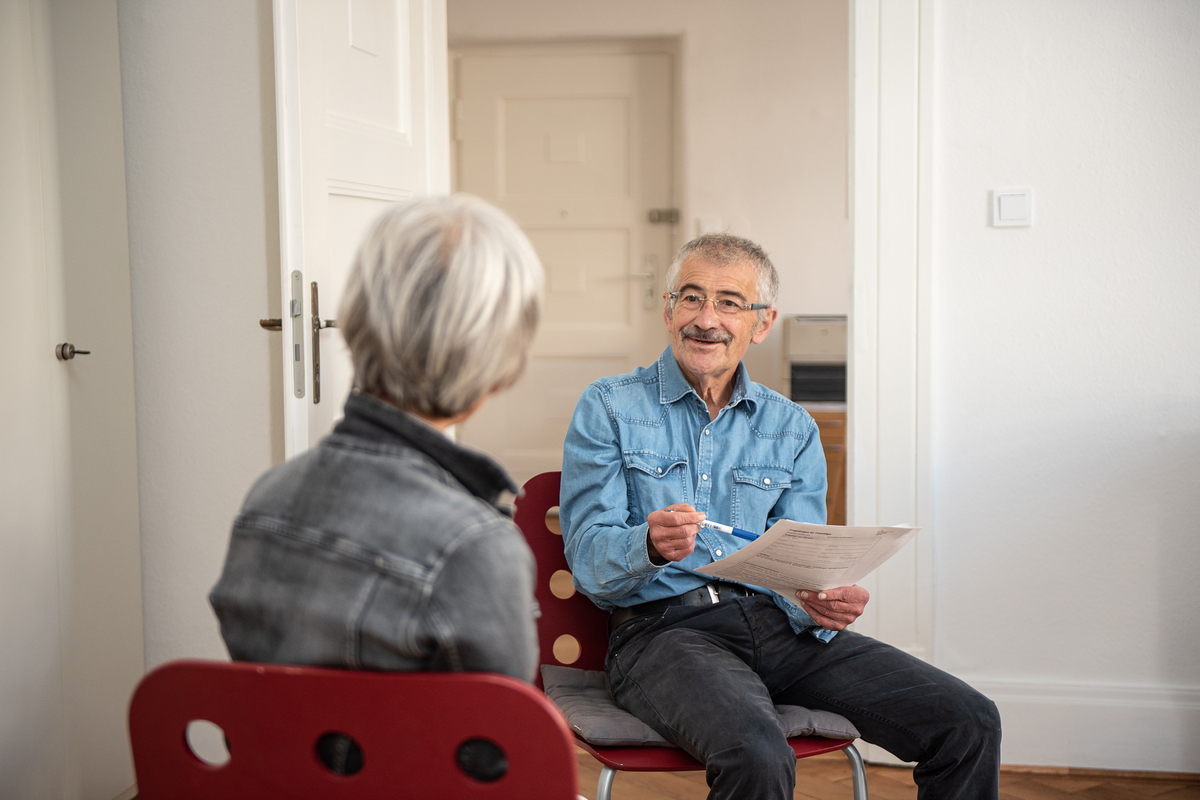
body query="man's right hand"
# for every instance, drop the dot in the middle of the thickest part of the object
(672, 534)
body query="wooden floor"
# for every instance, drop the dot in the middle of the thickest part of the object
(828, 778)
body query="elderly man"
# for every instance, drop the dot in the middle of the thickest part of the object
(652, 453)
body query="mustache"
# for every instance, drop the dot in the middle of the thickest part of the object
(706, 334)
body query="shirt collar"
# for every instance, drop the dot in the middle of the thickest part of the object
(672, 385)
(370, 417)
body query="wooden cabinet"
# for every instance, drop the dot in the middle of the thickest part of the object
(832, 425)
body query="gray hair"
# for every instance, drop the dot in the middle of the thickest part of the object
(723, 250)
(441, 305)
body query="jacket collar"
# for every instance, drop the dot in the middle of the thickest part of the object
(369, 417)
(672, 385)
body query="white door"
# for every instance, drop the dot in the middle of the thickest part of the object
(34, 457)
(70, 576)
(361, 96)
(574, 142)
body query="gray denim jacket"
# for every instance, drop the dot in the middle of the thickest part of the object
(385, 547)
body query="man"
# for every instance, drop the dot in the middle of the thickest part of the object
(652, 453)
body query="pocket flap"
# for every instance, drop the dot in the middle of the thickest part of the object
(651, 463)
(763, 476)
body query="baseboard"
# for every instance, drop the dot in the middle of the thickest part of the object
(1094, 726)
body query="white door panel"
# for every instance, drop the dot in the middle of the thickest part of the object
(576, 147)
(363, 123)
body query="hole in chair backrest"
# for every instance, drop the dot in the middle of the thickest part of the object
(567, 649)
(482, 759)
(339, 753)
(561, 585)
(552, 521)
(207, 742)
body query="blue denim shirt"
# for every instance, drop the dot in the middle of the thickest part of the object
(643, 441)
(387, 546)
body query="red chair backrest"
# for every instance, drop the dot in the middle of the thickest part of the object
(574, 616)
(409, 726)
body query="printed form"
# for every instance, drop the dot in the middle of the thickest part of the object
(797, 555)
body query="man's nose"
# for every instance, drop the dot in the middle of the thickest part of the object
(707, 316)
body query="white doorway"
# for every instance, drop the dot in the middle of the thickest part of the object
(575, 142)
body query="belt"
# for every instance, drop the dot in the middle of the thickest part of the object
(707, 595)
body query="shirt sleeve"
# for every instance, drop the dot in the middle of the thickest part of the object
(482, 611)
(804, 502)
(604, 547)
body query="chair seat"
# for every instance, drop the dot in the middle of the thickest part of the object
(585, 699)
(672, 759)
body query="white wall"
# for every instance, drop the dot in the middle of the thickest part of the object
(764, 112)
(1067, 375)
(198, 84)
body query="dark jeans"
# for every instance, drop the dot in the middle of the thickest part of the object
(707, 678)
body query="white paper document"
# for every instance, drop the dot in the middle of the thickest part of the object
(797, 555)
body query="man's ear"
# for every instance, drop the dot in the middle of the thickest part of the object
(764, 327)
(667, 310)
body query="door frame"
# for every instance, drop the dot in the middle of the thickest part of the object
(890, 371)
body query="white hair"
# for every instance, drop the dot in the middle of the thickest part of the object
(723, 250)
(441, 305)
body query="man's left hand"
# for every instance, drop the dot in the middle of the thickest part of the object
(834, 609)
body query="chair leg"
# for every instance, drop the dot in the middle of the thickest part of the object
(604, 785)
(858, 772)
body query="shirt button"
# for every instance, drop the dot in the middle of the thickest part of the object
(703, 477)
(660, 470)
(767, 481)
(706, 431)
(718, 552)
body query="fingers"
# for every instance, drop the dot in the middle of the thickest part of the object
(672, 531)
(678, 514)
(834, 609)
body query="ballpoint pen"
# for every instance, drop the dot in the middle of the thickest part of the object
(716, 526)
(738, 532)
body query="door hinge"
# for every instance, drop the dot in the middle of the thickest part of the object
(670, 215)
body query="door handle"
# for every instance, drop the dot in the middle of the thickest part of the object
(317, 325)
(66, 351)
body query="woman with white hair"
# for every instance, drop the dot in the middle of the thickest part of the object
(388, 546)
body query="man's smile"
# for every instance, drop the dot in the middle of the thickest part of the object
(706, 336)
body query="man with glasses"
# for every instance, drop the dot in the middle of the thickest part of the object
(651, 454)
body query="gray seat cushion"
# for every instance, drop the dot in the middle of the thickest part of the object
(588, 705)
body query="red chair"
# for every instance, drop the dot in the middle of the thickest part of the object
(573, 632)
(417, 732)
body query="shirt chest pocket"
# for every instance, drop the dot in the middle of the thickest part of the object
(756, 489)
(654, 481)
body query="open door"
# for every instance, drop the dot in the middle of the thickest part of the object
(362, 116)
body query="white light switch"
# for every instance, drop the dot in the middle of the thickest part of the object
(1012, 207)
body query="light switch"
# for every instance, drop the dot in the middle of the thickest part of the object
(1012, 207)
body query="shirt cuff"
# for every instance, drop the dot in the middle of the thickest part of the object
(639, 554)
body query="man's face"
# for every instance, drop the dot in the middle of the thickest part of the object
(708, 345)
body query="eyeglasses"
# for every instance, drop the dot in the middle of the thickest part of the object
(725, 306)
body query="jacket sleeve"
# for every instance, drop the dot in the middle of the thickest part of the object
(605, 548)
(481, 609)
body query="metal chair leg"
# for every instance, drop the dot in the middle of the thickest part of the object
(858, 772)
(607, 773)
